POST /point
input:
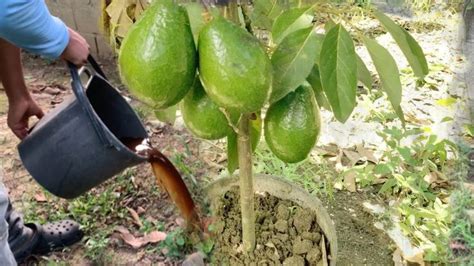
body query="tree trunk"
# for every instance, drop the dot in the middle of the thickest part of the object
(244, 147)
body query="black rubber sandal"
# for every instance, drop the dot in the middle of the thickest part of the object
(25, 243)
(56, 236)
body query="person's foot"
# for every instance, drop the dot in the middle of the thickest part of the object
(56, 236)
(34, 239)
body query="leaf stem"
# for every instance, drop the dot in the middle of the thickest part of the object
(245, 12)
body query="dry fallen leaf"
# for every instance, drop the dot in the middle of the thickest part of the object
(338, 159)
(140, 7)
(367, 154)
(51, 91)
(330, 150)
(119, 19)
(140, 210)
(128, 238)
(397, 258)
(136, 218)
(195, 259)
(431, 177)
(40, 197)
(418, 259)
(350, 182)
(353, 156)
(180, 221)
(154, 237)
(121, 229)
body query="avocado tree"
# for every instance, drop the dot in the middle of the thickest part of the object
(251, 66)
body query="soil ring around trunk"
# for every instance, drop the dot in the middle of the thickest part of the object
(292, 226)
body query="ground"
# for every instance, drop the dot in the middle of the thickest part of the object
(133, 202)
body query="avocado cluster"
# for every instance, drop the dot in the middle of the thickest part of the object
(227, 74)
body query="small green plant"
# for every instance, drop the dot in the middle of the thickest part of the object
(98, 212)
(417, 176)
(176, 245)
(96, 245)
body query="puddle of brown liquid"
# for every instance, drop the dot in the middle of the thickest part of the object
(168, 177)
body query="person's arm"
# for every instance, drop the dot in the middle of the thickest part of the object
(29, 25)
(21, 105)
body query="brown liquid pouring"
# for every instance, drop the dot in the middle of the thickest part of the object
(168, 177)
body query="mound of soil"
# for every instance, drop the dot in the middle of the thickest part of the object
(286, 233)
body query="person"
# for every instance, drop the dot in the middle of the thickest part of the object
(28, 25)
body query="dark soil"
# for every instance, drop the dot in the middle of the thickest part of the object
(286, 233)
(358, 241)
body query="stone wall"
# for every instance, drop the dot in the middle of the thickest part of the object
(84, 17)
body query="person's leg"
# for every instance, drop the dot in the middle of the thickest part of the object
(35, 239)
(18, 240)
(6, 255)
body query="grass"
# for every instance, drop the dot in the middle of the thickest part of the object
(314, 174)
(98, 212)
(462, 232)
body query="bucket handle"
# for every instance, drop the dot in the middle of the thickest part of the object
(96, 67)
(81, 97)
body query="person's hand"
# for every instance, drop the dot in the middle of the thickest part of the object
(77, 50)
(19, 113)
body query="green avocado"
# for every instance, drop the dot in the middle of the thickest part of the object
(235, 70)
(202, 116)
(158, 57)
(292, 125)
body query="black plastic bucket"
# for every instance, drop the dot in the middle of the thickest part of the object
(76, 146)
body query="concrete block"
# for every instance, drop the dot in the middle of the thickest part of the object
(63, 10)
(87, 15)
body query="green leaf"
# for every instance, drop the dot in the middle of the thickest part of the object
(388, 71)
(315, 80)
(167, 115)
(388, 185)
(446, 102)
(338, 70)
(329, 25)
(320, 40)
(400, 114)
(265, 12)
(292, 62)
(196, 20)
(291, 21)
(180, 241)
(232, 151)
(469, 129)
(207, 245)
(446, 119)
(363, 74)
(382, 169)
(409, 46)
